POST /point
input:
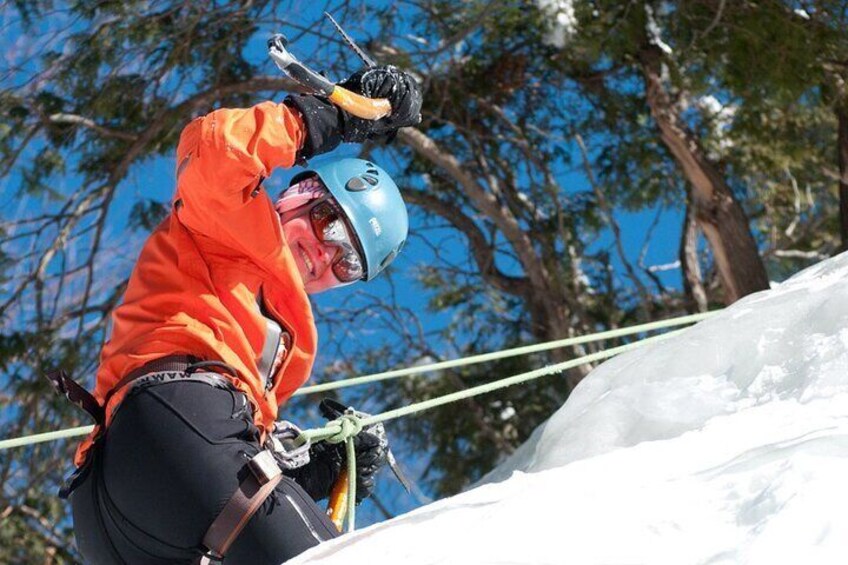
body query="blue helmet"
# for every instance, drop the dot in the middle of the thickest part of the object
(373, 206)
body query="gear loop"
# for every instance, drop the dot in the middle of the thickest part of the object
(349, 426)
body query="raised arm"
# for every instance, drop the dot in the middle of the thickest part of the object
(223, 156)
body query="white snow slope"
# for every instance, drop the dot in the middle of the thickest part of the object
(726, 444)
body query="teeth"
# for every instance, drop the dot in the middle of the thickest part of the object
(306, 260)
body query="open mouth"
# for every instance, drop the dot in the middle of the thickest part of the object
(306, 260)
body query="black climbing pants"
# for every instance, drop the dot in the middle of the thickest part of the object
(170, 460)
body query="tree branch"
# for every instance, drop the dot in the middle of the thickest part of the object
(481, 250)
(88, 123)
(486, 202)
(609, 219)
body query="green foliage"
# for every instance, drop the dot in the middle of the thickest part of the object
(147, 214)
(36, 178)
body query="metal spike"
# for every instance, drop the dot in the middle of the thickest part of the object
(401, 476)
(351, 43)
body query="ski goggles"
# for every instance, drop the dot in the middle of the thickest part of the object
(331, 228)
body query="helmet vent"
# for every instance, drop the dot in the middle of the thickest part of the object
(356, 184)
(370, 180)
(374, 172)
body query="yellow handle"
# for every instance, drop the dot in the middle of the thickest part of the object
(360, 106)
(337, 509)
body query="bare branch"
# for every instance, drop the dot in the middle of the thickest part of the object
(485, 201)
(88, 123)
(481, 250)
(13, 158)
(798, 254)
(609, 219)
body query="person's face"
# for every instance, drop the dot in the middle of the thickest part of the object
(314, 258)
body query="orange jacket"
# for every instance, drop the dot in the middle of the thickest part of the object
(197, 282)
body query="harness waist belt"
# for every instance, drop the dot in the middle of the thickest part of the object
(161, 377)
(174, 368)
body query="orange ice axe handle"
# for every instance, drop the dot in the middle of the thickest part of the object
(337, 509)
(356, 104)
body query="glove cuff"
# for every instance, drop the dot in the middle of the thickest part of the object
(323, 121)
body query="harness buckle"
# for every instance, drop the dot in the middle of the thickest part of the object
(209, 558)
(264, 467)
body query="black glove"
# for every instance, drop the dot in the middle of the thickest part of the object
(389, 82)
(326, 460)
(327, 125)
(319, 475)
(371, 455)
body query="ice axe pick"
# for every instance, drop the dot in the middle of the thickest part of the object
(356, 104)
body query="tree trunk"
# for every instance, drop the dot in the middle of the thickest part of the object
(718, 213)
(550, 312)
(842, 142)
(693, 285)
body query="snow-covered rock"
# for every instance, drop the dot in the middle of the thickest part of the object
(727, 444)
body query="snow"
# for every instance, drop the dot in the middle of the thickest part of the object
(722, 119)
(562, 24)
(654, 31)
(726, 444)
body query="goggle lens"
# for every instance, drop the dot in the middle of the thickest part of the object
(330, 227)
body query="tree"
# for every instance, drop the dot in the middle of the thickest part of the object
(514, 244)
(507, 83)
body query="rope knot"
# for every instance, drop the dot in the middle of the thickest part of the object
(349, 426)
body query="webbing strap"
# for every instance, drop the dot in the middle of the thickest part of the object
(177, 363)
(241, 506)
(68, 387)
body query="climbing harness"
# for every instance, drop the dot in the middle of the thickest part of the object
(282, 450)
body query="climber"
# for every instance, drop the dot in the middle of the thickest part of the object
(187, 462)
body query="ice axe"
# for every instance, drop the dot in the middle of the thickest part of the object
(337, 506)
(356, 104)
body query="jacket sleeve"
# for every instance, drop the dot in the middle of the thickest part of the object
(221, 160)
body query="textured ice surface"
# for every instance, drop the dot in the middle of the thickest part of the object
(727, 444)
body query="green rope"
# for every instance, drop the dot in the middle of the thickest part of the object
(346, 427)
(317, 434)
(351, 484)
(47, 436)
(323, 434)
(336, 429)
(523, 350)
